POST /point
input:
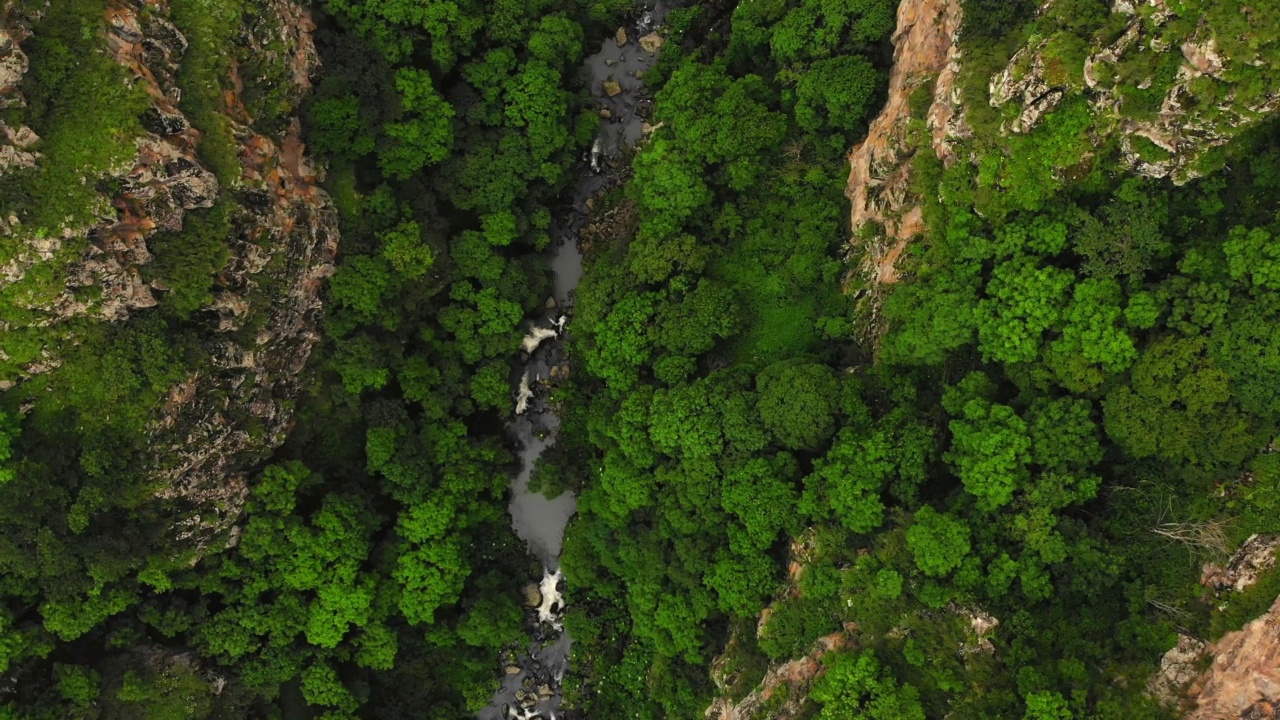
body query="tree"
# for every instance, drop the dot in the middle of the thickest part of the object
(1023, 301)
(938, 542)
(1252, 254)
(798, 403)
(492, 622)
(9, 431)
(856, 685)
(742, 582)
(431, 566)
(692, 324)
(849, 480)
(670, 188)
(361, 286)
(1247, 348)
(1046, 705)
(654, 258)
(836, 93)
(537, 105)
(1178, 406)
(322, 687)
(1094, 343)
(77, 684)
(426, 136)
(933, 316)
(557, 41)
(404, 249)
(816, 30)
(172, 692)
(339, 131)
(1127, 237)
(1063, 434)
(758, 493)
(621, 343)
(990, 450)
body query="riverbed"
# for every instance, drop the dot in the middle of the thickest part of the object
(530, 688)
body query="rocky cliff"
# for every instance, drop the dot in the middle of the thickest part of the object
(1242, 680)
(926, 57)
(261, 325)
(1168, 89)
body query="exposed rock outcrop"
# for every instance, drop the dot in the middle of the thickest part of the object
(1178, 668)
(925, 52)
(16, 144)
(1256, 555)
(1200, 106)
(1243, 683)
(1024, 78)
(790, 681)
(223, 420)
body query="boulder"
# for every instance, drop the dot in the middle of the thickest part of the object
(1246, 565)
(652, 42)
(13, 65)
(1178, 668)
(621, 37)
(611, 87)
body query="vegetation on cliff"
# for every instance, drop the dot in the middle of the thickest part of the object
(984, 491)
(368, 570)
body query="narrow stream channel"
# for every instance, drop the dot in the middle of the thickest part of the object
(531, 686)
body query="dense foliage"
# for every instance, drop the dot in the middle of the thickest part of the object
(1075, 358)
(373, 572)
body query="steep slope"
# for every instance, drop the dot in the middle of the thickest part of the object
(926, 59)
(254, 315)
(1169, 90)
(1244, 680)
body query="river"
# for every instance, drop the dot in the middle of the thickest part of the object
(530, 688)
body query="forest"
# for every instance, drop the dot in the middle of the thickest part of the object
(1066, 405)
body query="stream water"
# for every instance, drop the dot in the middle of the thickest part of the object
(531, 684)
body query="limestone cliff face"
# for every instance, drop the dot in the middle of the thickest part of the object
(925, 54)
(783, 692)
(220, 421)
(1244, 680)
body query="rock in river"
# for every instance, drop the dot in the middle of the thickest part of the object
(611, 87)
